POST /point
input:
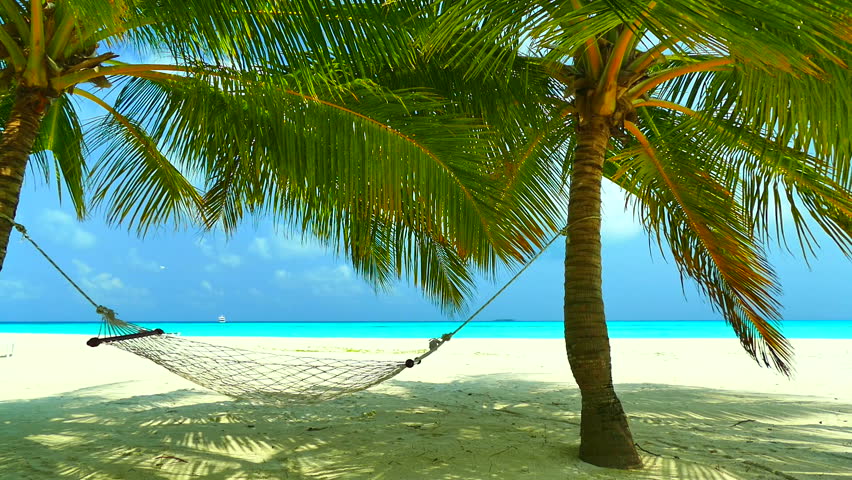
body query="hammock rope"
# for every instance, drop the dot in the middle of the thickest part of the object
(266, 377)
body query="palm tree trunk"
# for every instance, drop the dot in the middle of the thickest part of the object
(15, 147)
(605, 436)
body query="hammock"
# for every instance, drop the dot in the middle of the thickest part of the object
(266, 377)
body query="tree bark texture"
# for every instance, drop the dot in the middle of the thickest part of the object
(606, 440)
(16, 145)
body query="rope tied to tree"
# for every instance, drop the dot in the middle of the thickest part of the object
(15, 224)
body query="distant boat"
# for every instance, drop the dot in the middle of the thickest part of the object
(221, 319)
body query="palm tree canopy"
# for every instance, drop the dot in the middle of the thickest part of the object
(730, 123)
(301, 110)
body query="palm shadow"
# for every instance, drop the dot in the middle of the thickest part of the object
(498, 426)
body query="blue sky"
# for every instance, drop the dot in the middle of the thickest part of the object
(260, 274)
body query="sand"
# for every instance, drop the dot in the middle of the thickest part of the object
(477, 409)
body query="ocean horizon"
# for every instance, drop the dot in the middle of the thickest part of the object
(503, 328)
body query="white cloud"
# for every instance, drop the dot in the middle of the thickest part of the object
(205, 247)
(140, 263)
(61, 225)
(82, 268)
(221, 258)
(260, 246)
(17, 290)
(282, 247)
(104, 283)
(230, 260)
(333, 281)
(326, 281)
(210, 289)
(282, 275)
(617, 221)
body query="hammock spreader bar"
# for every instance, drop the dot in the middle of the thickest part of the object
(95, 341)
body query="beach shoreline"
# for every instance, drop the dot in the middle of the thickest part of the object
(477, 408)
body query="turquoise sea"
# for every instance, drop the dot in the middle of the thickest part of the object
(834, 329)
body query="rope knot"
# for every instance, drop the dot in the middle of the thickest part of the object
(107, 313)
(15, 224)
(434, 344)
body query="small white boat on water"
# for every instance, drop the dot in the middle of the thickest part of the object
(221, 319)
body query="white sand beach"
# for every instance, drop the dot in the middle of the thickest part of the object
(477, 409)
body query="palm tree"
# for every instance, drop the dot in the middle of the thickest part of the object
(717, 117)
(252, 107)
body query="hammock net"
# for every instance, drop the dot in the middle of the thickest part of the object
(266, 377)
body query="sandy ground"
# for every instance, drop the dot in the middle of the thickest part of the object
(477, 409)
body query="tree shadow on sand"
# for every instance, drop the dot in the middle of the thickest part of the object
(498, 427)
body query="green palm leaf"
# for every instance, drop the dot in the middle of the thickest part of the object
(708, 230)
(134, 181)
(319, 164)
(61, 135)
(799, 185)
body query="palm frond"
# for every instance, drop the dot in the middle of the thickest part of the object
(708, 232)
(136, 184)
(804, 112)
(62, 136)
(317, 164)
(768, 34)
(776, 181)
(291, 35)
(527, 140)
